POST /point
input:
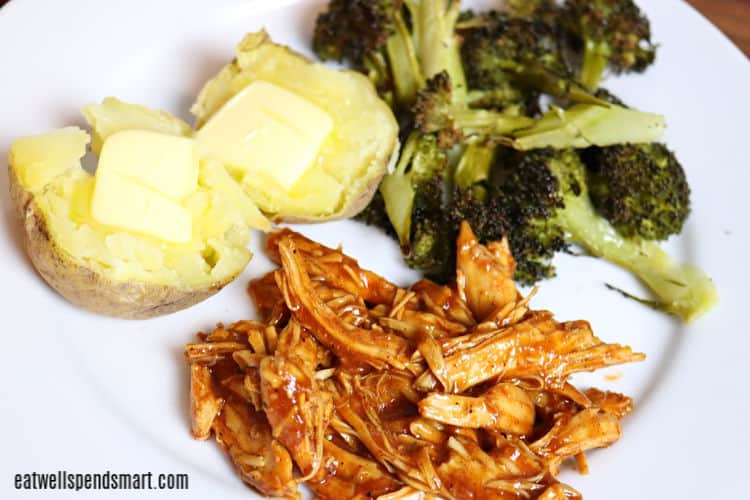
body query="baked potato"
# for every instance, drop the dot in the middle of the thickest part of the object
(131, 241)
(109, 270)
(349, 165)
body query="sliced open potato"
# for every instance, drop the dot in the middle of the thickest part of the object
(135, 242)
(114, 271)
(350, 161)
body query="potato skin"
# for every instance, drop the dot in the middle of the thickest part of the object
(86, 287)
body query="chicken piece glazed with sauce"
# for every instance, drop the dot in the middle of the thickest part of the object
(361, 389)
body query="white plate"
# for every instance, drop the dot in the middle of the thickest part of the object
(89, 394)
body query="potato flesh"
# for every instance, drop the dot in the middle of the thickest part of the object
(44, 160)
(114, 115)
(356, 153)
(216, 252)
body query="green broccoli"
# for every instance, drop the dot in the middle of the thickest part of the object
(499, 49)
(611, 34)
(583, 125)
(372, 35)
(437, 110)
(530, 196)
(421, 162)
(425, 203)
(546, 199)
(507, 98)
(435, 223)
(545, 10)
(433, 25)
(641, 189)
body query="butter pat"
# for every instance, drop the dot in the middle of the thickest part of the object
(165, 163)
(267, 130)
(122, 203)
(141, 181)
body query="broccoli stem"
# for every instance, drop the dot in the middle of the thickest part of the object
(595, 61)
(585, 125)
(406, 73)
(437, 47)
(398, 193)
(487, 123)
(474, 166)
(680, 289)
(500, 97)
(555, 85)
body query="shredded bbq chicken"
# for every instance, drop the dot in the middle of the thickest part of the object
(361, 389)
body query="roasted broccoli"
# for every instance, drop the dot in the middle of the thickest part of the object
(641, 189)
(421, 163)
(439, 111)
(546, 199)
(497, 47)
(500, 49)
(372, 35)
(433, 24)
(530, 196)
(436, 219)
(610, 34)
(398, 43)
(545, 10)
(425, 203)
(467, 90)
(583, 125)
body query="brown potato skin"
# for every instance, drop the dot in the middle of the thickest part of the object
(86, 287)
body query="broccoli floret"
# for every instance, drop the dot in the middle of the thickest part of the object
(499, 49)
(531, 196)
(546, 10)
(398, 43)
(641, 189)
(425, 205)
(438, 111)
(497, 46)
(428, 250)
(436, 223)
(611, 34)
(436, 219)
(354, 29)
(372, 35)
(546, 199)
(486, 217)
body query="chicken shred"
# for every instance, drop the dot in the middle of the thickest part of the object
(361, 389)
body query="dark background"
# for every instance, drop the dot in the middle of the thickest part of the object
(732, 16)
